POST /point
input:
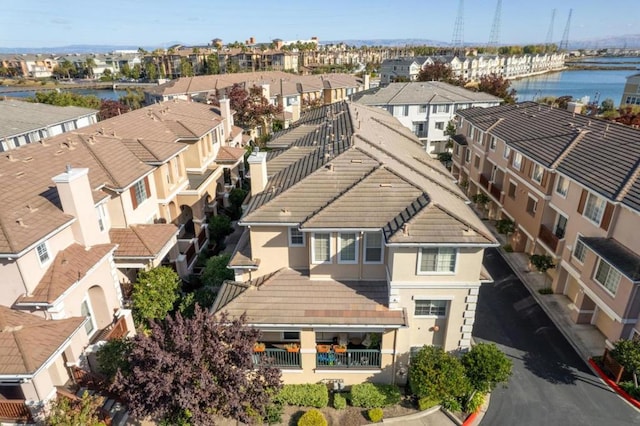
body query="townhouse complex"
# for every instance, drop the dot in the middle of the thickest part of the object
(631, 91)
(571, 184)
(81, 214)
(426, 108)
(358, 248)
(473, 67)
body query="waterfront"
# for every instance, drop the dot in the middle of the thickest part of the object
(108, 94)
(594, 84)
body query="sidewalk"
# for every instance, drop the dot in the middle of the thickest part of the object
(585, 338)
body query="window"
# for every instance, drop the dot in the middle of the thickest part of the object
(431, 308)
(456, 149)
(290, 335)
(517, 161)
(594, 209)
(476, 162)
(506, 153)
(562, 186)
(373, 247)
(139, 192)
(423, 108)
(43, 253)
(492, 143)
(296, 237)
(467, 155)
(437, 260)
(532, 205)
(405, 110)
(440, 125)
(536, 173)
(440, 108)
(102, 217)
(561, 226)
(348, 248)
(321, 248)
(607, 276)
(512, 189)
(85, 311)
(580, 250)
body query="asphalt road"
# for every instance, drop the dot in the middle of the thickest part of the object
(550, 384)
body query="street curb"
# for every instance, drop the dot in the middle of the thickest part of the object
(415, 416)
(613, 385)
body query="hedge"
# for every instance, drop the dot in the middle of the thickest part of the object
(371, 395)
(306, 395)
(312, 418)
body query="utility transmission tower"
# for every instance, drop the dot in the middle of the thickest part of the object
(457, 40)
(564, 44)
(549, 41)
(494, 37)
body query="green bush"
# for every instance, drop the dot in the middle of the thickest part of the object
(339, 401)
(312, 418)
(630, 388)
(475, 402)
(375, 414)
(370, 395)
(306, 395)
(545, 290)
(452, 404)
(113, 356)
(486, 366)
(508, 248)
(273, 413)
(426, 403)
(437, 374)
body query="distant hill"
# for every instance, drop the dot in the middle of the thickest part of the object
(78, 48)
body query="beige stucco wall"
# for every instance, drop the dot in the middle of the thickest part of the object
(270, 244)
(404, 261)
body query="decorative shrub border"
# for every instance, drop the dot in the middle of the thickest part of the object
(613, 385)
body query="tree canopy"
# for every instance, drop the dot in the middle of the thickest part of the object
(438, 375)
(154, 293)
(216, 271)
(252, 108)
(627, 353)
(191, 370)
(84, 411)
(486, 366)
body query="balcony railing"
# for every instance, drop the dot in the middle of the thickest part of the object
(202, 237)
(548, 237)
(14, 410)
(352, 358)
(484, 181)
(496, 191)
(274, 357)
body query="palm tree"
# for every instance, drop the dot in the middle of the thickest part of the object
(89, 64)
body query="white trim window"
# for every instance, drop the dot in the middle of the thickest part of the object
(296, 238)
(437, 260)
(373, 247)
(562, 186)
(506, 153)
(348, 246)
(607, 276)
(517, 161)
(140, 191)
(493, 142)
(579, 250)
(536, 173)
(467, 155)
(42, 250)
(102, 217)
(594, 208)
(321, 248)
(532, 205)
(430, 308)
(86, 311)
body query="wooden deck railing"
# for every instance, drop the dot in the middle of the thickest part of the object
(496, 191)
(548, 237)
(118, 330)
(190, 254)
(14, 409)
(202, 237)
(484, 181)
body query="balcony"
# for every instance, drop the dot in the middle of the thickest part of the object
(350, 358)
(275, 357)
(484, 181)
(496, 192)
(14, 411)
(548, 238)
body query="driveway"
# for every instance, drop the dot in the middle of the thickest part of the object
(550, 384)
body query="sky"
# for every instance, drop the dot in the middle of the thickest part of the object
(158, 23)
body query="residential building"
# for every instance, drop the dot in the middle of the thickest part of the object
(399, 70)
(571, 185)
(22, 123)
(631, 91)
(354, 236)
(82, 213)
(426, 108)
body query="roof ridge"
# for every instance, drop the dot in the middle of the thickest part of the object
(132, 227)
(139, 140)
(567, 150)
(97, 159)
(631, 180)
(377, 120)
(459, 219)
(401, 222)
(24, 354)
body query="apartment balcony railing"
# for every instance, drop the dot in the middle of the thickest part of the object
(14, 410)
(274, 357)
(352, 358)
(484, 181)
(548, 237)
(202, 237)
(496, 192)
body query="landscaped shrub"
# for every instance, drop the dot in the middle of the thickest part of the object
(508, 248)
(545, 290)
(475, 402)
(452, 404)
(306, 395)
(426, 403)
(437, 374)
(312, 418)
(630, 388)
(273, 413)
(339, 401)
(375, 414)
(370, 395)
(486, 366)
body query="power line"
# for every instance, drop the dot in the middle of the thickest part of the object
(458, 31)
(494, 37)
(549, 39)
(564, 44)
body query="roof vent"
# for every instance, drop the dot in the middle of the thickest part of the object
(405, 229)
(330, 167)
(386, 185)
(20, 222)
(356, 161)
(11, 158)
(285, 211)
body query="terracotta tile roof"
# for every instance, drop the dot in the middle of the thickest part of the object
(150, 151)
(142, 241)
(70, 265)
(242, 257)
(424, 92)
(289, 297)
(27, 341)
(228, 154)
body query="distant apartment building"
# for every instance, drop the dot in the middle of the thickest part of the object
(631, 91)
(400, 70)
(571, 184)
(426, 108)
(23, 123)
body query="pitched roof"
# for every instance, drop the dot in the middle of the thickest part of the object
(620, 257)
(19, 117)
(577, 146)
(228, 154)
(141, 241)
(27, 341)
(289, 297)
(70, 266)
(424, 93)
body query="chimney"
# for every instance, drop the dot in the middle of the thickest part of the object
(76, 198)
(266, 92)
(257, 171)
(295, 111)
(225, 111)
(367, 81)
